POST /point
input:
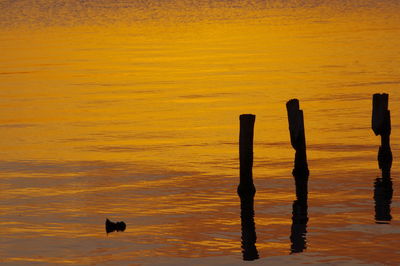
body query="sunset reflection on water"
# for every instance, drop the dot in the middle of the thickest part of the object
(131, 111)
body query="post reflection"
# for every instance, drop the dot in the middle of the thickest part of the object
(300, 206)
(249, 237)
(383, 187)
(383, 192)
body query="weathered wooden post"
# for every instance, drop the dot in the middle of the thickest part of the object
(300, 174)
(383, 187)
(296, 124)
(246, 188)
(246, 135)
(381, 125)
(298, 141)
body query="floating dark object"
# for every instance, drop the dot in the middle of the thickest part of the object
(111, 226)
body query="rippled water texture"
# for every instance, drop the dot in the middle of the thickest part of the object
(129, 110)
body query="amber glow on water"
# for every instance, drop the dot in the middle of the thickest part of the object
(130, 112)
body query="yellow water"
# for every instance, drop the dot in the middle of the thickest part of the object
(130, 110)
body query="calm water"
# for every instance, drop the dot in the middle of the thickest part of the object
(128, 110)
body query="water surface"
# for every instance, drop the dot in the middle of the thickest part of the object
(129, 111)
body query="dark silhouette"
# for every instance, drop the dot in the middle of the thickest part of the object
(246, 189)
(297, 137)
(383, 188)
(249, 237)
(299, 215)
(383, 193)
(246, 186)
(300, 174)
(117, 226)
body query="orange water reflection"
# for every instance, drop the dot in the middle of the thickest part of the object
(107, 114)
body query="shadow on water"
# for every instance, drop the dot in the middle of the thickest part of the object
(383, 187)
(246, 189)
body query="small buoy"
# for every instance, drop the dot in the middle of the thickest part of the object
(111, 226)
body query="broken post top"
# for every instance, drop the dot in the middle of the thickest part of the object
(296, 124)
(247, 117)
(293, 104)
(380, 114)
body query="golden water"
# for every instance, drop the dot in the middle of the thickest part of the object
(129, 111)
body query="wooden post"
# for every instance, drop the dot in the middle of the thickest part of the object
(246, 186)
(300, 173)
(298, 141)
(296, 124)
(381, 125)
(383, 188)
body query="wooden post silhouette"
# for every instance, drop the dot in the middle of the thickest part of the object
(300, 173)
(383, 188)
(296, 124)
(246, 186)
(381, 125)
(298, 141)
